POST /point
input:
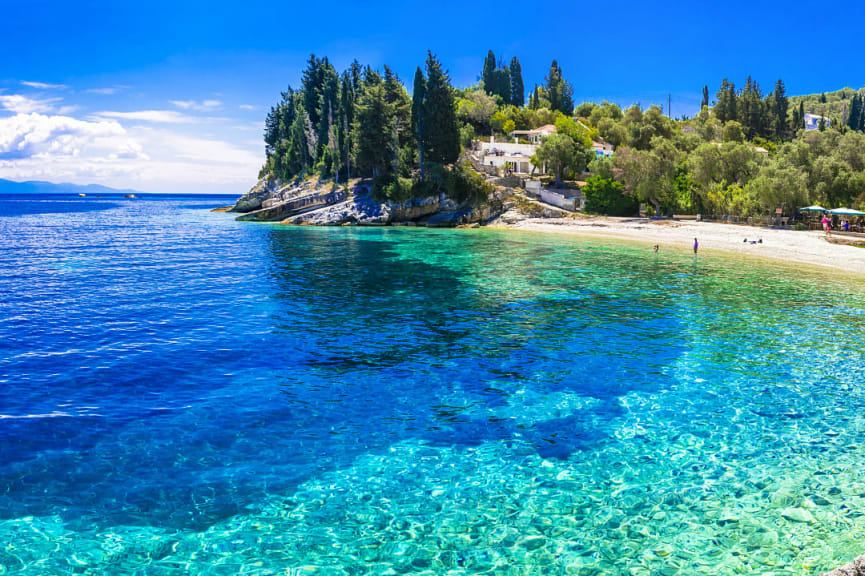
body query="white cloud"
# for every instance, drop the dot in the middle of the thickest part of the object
(24, 105)
(203, 106)
(107, 91)
(246, 107)
(158, 116)
(44, 86)
(145, 157)
(36, 136)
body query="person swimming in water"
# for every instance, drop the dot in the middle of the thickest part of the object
(655, 249)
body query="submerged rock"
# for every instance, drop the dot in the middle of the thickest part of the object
(854, 568)
(797, 515)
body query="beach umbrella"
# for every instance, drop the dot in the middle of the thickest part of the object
(846, 212)
(814, 208)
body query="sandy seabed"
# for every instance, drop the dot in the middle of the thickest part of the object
(812, 248)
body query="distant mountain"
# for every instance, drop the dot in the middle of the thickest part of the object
(36, 187)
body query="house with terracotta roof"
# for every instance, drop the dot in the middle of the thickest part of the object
(534, 136)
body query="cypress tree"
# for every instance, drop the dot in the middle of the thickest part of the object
(779, 109)
(861, 112)
(534, 98)
(559, 92)
(440, 121)
(751, 110)
(518, 91)
(502, 84)
(801, 116)
(417, 116)
(345, 118)
(705, 102)
(553, 86)
(488, 73)
(854, 120)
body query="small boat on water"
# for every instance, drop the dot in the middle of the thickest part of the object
(130, 196)
(82, 195)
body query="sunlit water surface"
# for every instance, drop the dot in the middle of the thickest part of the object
(181, 393)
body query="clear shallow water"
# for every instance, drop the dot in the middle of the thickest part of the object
(181, 393)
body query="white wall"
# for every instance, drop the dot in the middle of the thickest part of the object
(509, 148)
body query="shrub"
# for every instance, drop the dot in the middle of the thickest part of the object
(398, 190)
(606, 196)
(464, 185)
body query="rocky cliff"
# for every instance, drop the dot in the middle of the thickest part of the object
(324, 203)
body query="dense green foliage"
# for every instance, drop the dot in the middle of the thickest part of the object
(746, 152)
(363, 123)
(747, 155)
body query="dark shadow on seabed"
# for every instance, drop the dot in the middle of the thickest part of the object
(412, 349)
(358, 342)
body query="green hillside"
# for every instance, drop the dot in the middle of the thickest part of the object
(834, 105)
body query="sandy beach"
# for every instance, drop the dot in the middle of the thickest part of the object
(804, 247)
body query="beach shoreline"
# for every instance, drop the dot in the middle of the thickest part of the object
(810, 248)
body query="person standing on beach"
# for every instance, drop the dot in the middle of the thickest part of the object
(696, 245)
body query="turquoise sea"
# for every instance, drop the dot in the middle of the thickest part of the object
(184, 394)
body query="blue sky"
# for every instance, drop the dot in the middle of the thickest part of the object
(171, 96)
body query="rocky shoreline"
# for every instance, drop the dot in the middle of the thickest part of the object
(324, 203)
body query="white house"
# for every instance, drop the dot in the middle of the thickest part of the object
(812, 121)
(509, 156)
(534, 136)
(602, 149)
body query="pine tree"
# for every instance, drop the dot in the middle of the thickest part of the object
(440, 122)
(518, 91)
(489, 70)
(326, 103)
(311, 87)
(355, 73)
(397, 97)
(417, 116)
(297, 153)
(725, 107)
(373, 129)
